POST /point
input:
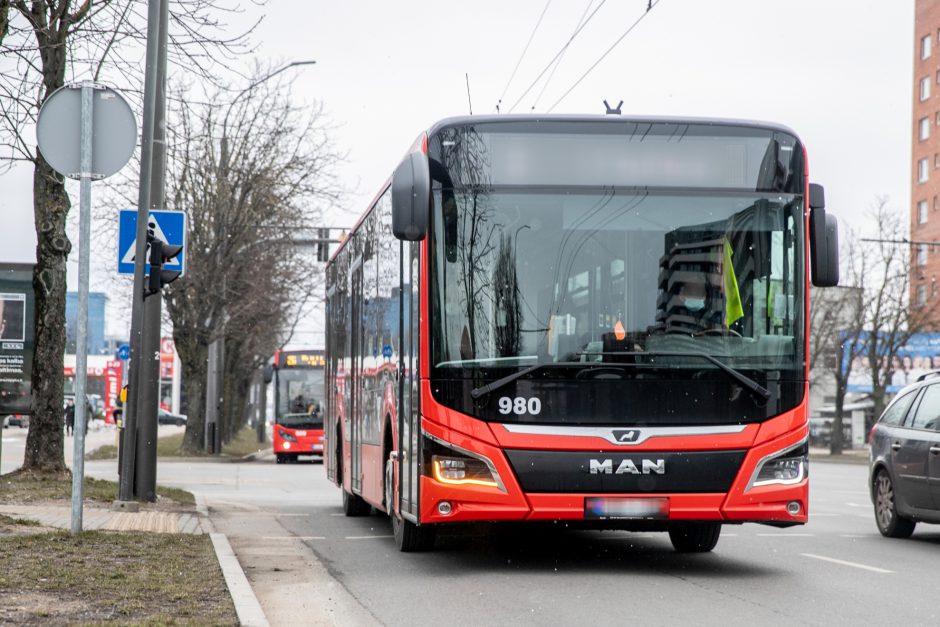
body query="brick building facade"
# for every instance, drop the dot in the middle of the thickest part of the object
(925, 155)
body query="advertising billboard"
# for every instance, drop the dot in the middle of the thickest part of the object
(920, 354)
(17, 312)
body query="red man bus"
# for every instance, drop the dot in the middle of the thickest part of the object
(298, 404)
(597, 320)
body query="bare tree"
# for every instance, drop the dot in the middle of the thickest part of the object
(873, 317)
(43, 42)
(248, 175)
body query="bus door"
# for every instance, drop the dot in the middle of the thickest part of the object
(355, 375)
(330, 390)
(409, 417)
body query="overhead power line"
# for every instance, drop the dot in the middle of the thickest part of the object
(563, 50)
(522, 56)
(557, 55)
(649, 8)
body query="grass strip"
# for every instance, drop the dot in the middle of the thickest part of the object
(19, 487)
(99, 576)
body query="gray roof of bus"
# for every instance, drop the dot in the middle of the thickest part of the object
(464, 120)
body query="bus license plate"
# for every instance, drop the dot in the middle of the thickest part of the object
(612, 508)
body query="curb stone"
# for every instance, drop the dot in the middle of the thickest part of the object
(246, 603)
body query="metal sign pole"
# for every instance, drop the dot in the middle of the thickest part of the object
(81, 348)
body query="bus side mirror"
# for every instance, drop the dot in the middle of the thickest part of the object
(268, 373)
(411, 197)
(823, 240)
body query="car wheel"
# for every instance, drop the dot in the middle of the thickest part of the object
(180, 423)
(694, 537)
(890, 523)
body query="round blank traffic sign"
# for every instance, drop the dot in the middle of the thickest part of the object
(59, 131)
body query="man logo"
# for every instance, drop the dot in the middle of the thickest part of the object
(627, 467)
(626, 436)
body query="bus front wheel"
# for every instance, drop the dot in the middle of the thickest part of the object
(694, 537)
(410, 537)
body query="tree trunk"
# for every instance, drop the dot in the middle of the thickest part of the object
(44, 444)
(193, 360)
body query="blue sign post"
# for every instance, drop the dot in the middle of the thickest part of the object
(170, 226)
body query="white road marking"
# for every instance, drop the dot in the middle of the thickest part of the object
(366, 537)
(293, 537)
(340, 514)
(852, 535)
(823, 515)
(855, 505)
(786, 535)
(873, 569)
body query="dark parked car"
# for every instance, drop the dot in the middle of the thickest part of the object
(16, 420)
(166, 418)
(904, 470)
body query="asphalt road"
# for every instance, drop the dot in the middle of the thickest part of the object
(835, 570)
(305, 559)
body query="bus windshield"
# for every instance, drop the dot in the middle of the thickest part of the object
(527, 271)
(299, 391)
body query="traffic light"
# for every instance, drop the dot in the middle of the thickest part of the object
(160, 253)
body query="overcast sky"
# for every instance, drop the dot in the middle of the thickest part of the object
(838, 72)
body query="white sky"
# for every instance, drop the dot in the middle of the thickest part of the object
(838, 72)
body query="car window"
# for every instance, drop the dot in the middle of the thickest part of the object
(928, 411)
(894, 415)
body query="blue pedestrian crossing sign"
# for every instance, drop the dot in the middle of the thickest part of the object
(170, 226)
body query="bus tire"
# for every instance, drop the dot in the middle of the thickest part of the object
(354, 505)
(410, 537)
(694, 537)
(280, 458)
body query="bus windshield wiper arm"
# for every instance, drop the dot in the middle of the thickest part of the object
(743, 379)
(498, 383)
(738, 376)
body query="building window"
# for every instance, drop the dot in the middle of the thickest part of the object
(922, 254)
(921, 295)
(936, 203)
(923, 172)
(938, 77)
(938, 118)
(925, 47)
(922, 212)
(924, 126)
(924, 88)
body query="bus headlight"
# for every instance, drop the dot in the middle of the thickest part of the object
(786, 467)
(461, 471)
(452, 465)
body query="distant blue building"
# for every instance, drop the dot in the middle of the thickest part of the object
(96, 309)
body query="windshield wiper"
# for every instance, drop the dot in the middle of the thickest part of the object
(749, 383)
(498, 383)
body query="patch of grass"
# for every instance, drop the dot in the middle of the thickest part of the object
(22, 522)
(19, 487)
(97, 576)
(169, 445)
(244, 443)
(108, 451)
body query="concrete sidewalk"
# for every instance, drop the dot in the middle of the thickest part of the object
(96, 517)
